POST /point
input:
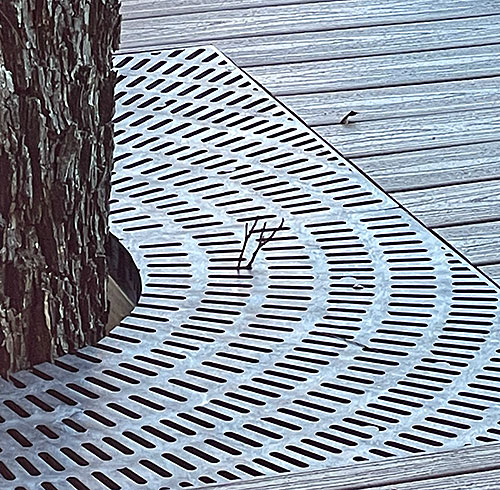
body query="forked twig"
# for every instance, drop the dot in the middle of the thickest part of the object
(262, 242)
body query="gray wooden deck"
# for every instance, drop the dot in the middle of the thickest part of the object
(424, 77)
(464, 469)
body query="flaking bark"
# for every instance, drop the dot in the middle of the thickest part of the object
(56, 105)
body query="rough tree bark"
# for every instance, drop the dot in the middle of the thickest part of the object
(56, 105)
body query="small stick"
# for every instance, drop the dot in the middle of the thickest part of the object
(245, 242)
(345, 119)
(259, 241)
(262, 242)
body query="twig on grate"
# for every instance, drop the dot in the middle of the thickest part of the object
(262, 242)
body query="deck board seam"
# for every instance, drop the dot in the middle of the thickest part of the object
(359, 119)
(409, 150)
(307, 31)
(461, 223)
(278, 93)
(231, 9)
(374, 55)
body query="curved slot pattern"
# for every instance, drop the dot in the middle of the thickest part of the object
(356, 335)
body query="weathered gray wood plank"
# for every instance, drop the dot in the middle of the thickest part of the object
(348, 43)
(479, 242)
(473, 481)
(492, 271)
(476, 481)
(381, 103)
(379, 71)
(390, 472)
(454, 204)
(137, 9)
(413, 133)
(434, 167)
(221, 24)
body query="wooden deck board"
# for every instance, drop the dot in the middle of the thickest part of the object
(400, 101)
(480, 242)
(347, 43)
(200, 24)
(433, 167)
(380, 71)
(459, 469)
(139, 9)
(454, 204)
(379, 137)
(493, 271)
(481, 481)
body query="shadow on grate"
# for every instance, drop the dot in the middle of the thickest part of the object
(124, 282)
(355, 335)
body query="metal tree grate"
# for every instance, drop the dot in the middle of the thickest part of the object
(357, 334)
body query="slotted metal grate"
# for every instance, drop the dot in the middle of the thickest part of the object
(357, 334)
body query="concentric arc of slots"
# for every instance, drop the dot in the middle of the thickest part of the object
(356, 335)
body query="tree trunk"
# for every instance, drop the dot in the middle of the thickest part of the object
(56, 105)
